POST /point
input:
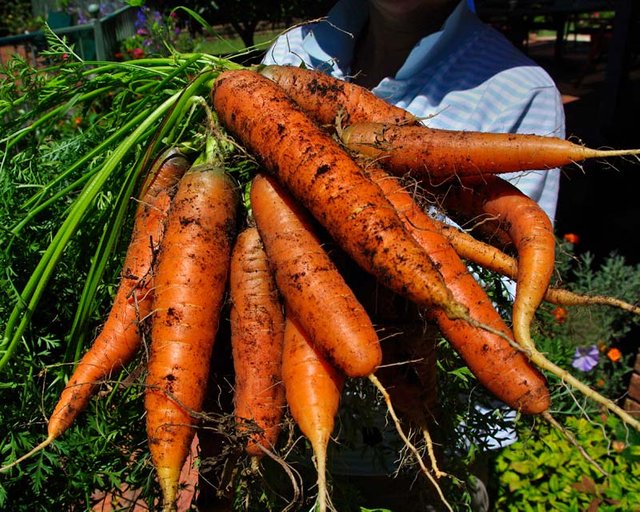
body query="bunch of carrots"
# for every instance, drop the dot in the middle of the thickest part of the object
(334, 161)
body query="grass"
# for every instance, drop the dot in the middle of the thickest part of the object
(224, 45)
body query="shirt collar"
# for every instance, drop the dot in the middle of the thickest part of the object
(330, 43)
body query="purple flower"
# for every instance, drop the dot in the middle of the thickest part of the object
(141, 19)
(586, 358)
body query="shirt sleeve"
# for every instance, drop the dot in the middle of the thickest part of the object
(541, 113)
(287, 50)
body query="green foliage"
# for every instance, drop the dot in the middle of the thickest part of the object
(543, 470)
(615, 278)
(562, 329)
(75, 143)
(16, 18)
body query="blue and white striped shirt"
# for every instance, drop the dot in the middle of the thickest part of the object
(467, 76)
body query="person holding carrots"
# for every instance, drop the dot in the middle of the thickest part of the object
(440, 62)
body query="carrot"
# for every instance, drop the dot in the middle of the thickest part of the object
(533, 238)
(495, 260)
(498, 366)
(257, 330)
(477, 251)
(325, 98)
(532, 234)
(120, 338)
(190, 281)
(466, 209)
(325, 179)
(439, 154)
(314, 292)
(313, 388)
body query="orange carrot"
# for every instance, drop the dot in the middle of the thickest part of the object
(325, 179)
(314, 292)
(498, 366)
(257, 330)
(325, 98)
(477, 251)
(119, 339)
(190, 281)
(531, 232)
(494, 259)
(439, 154)
(313, 388)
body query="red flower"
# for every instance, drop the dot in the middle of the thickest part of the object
(137, 53)
(560, 314)
(572, 238)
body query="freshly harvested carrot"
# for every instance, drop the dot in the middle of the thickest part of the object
(257, 330)
(532, 234)
(313, 388)
(120, 337)
(501, 368)
(324, 178)
(492, 258)
(325, 98)
(439, 154)
(314, 292)
(476, 251)
(190, 281)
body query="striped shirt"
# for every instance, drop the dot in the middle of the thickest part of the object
(467, 76)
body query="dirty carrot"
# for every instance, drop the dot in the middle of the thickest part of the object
(190, 280)
(325, 179)
(313, 387)
(532, 235)
(528, 227)
(120, 336)
(314, 291)
(439, 154)
(533, 238)
(327, 99)
(492, 258)
(257, 330)
(501, 368)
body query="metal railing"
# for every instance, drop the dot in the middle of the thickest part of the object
(97, 40)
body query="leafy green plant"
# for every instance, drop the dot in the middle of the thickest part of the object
(543, 471)
(567, 333)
